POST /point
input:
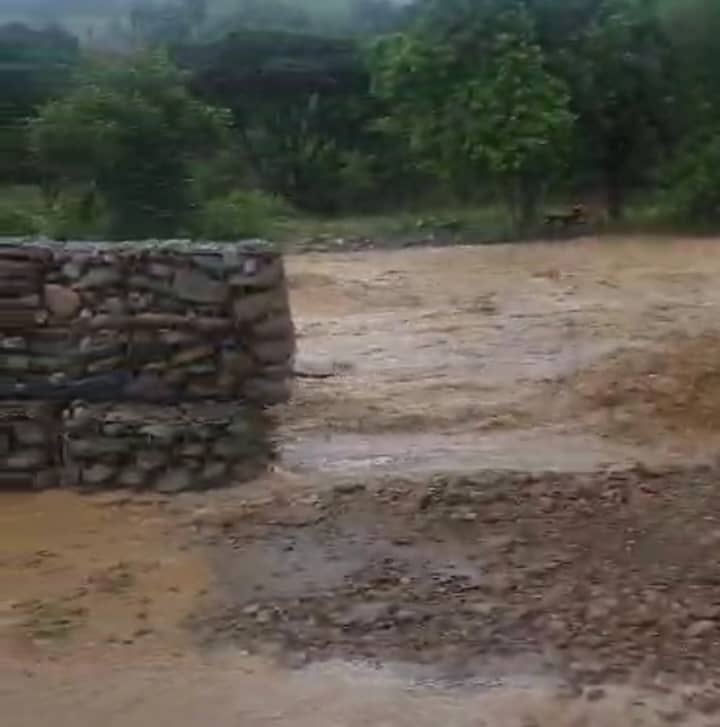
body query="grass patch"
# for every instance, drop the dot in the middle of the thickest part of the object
(476, 224)
(21, 211)
(244, 214)
(656, 219)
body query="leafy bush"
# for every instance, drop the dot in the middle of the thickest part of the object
(21, 210)
(241, 214)
(694, 194)
(479, 102)
(357, 184)
(17, 222)
(129, 129)
(77, 215)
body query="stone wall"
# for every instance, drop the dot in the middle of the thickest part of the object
(174, 325)
(165, 448)
(144, 322)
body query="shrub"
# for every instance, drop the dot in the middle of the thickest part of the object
(694, 190)
(241, 214)
(130, 129)
(17, 222)
(76, 215)
(21, 211)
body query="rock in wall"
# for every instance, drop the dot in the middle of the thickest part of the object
(30, 440)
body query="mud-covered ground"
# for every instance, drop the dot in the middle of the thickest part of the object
(595, 574)
(497, 504)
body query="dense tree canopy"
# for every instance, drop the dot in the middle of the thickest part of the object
(475, 99)
(299, 104)
(129, 131)
(350, 105)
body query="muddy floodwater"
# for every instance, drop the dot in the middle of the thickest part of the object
(496, 505)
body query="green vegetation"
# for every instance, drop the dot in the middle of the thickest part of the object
(225, 119)
(475, 102)
(242, 214)
(127, 131)
(21, 212)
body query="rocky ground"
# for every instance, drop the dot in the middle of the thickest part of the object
(595, 574)
(496, 505)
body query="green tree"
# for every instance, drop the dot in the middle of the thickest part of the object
(622, 74)
(469, 90)
(300, 106)
(693, 174)
(129, 131)
(692, 29)
(694, 180)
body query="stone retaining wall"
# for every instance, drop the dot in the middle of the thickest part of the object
(175, 325)
(144, 322)
(168, 449)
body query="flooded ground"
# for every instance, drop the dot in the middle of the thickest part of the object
(496, 505)
(508, 352)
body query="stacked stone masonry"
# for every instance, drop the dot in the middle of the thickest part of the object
(30, 444)
(166, 326)
(168, 449)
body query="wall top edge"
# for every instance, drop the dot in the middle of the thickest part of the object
(187, 247)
